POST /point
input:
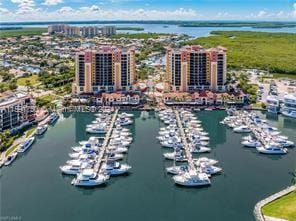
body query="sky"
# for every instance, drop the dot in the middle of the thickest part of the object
(67, 10)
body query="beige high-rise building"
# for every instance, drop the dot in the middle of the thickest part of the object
(107, 69)
(193, 68)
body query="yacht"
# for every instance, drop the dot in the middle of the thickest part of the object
(176, 170)
(53, 117)
(124, 114)
(74, 168)
(289, 107)
(209, 169)
(273, 104)
(242, 129)
(284, 143)
(26, 145)
(272, 148)
(114, 168)
(251, 143)
(289, 113)
(123, 121)
(10, 159)
(76, 155)
(96, 130)
(41, 129)
(199, 149)
(192, 179)
(206, 160)
(114, 156)
(178, 156)
(88, 177)
(117, 149)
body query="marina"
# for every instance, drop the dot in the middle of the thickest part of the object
(245, 176)
(94, 162)
(265, 138)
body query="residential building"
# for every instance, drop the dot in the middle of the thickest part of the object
(89, 31)
(16, 110)
(193, 68)
(106, 69)
(64, 29)
(108, 30)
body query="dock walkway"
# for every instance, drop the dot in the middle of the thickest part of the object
(184, 141)
(101, 155)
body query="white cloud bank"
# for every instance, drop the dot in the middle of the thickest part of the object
(28, 11)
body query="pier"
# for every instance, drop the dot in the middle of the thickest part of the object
(184, 141)
(100, 157)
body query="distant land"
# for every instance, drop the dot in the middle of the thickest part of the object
(257, 24)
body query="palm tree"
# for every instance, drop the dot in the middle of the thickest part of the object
(293, 181)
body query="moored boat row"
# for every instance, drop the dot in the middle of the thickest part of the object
(265, 138)
(95, 160)
(183, 133)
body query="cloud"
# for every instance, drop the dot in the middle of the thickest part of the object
(4, 11)
(262, 14)
(52, 2)
(24, 6)
(66, 9)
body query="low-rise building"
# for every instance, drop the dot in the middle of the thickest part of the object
(16, 110)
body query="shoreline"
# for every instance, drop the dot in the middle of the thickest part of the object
(258, 207)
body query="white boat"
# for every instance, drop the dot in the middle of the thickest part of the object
(114, 168)
(209, 169)
(176, 170)
(10, 159)
(26, 145)
(192, 179)
(77, 155)
(41, 129)
(53, 118)
(284, 143)
(117, 149)
(177, 156)
(206, 160)
(272, 149)
(251, 143)
(289, 114)
(200, 149)
(242, 129)
(96, 130)
(115, 156)
(74, 168)
(124, 114)
(88, 177)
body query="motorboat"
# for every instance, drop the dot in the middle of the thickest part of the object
(176, 170)
(209, 169)
(192, 179)
(289, 114)
(123, 121)
(251, 143)
(75, 167)
(53, 117)
(114, 168)
(126, 115)
(87, 146)
(199, 149)
(242, 129)
(272, 148)
(117, 149)
(206, 160)
(26, 145)
(88, 177)
(90, 153)
(96, 130)
(10, 159)
(178, 156)
(41, 129)
(283, 142)
(114, 156)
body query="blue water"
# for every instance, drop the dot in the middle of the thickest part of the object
(34, 189)
(175, 29)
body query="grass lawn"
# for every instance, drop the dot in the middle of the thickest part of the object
(139, 35)
(284, 208)
(33, 80)
(22, 32)
(12, 148)
(31, 131)
(45, 100)
(275, 52)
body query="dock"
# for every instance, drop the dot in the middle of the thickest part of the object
(185, 143)
(100, 157)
